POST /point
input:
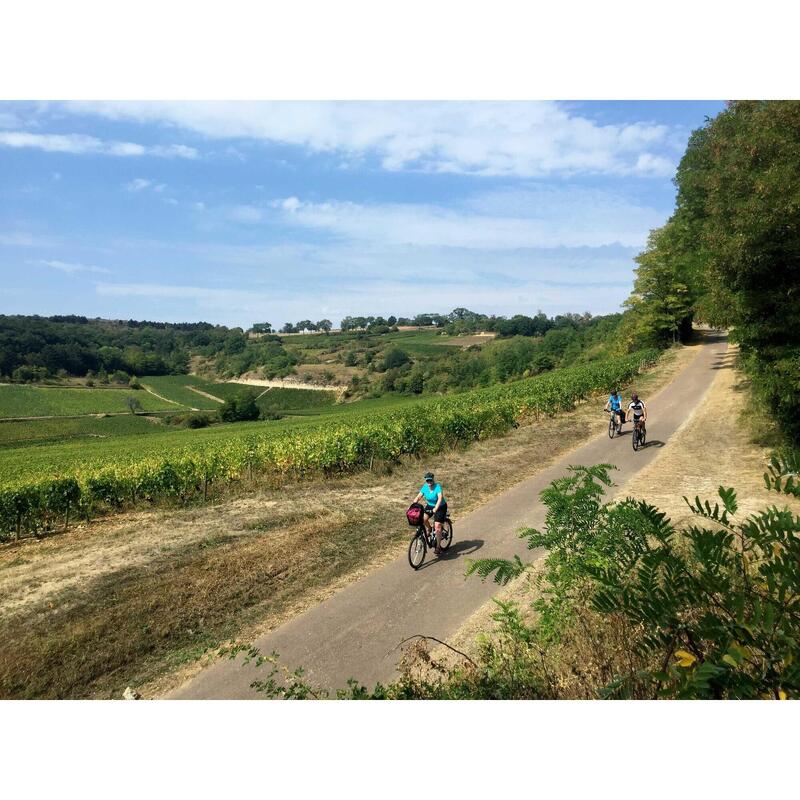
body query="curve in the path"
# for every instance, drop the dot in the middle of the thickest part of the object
(355, 633)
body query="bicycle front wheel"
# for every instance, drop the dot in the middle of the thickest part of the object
(416, 551)
(635, 439)
(612, 428)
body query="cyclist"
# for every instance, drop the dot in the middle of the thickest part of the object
(614, 405)
(639, 411)
(435, 506)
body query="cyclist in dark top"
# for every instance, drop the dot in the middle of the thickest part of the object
(639, 410)
(432, 496)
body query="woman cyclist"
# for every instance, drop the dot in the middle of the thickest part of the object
(435, 506)
(614, 405)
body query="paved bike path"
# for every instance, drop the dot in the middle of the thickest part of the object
(355, 632)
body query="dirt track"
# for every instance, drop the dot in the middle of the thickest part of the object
(355, 633)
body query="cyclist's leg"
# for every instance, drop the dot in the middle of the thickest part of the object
(439, 519)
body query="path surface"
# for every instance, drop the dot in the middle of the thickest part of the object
(355, 633)
(276, 383)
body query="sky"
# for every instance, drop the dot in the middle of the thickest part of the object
(237, 213)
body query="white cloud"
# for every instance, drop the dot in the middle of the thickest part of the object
(80, 144)
(24, 239)
(540, 218)
(138, 184)
(524, 139)
(70, 268)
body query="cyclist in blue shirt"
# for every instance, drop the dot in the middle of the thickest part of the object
(614, 405)
(435, 506)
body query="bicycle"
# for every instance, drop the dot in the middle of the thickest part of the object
(614, 424)
(422, 541)
(639, 435)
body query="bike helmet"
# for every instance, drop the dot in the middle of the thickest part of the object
(428, 476)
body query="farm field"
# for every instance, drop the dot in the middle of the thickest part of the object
(72, 452)
(35, 401)
(41, 432)
(177, 388)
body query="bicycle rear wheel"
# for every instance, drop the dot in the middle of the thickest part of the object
(416, 550)
(446, 538)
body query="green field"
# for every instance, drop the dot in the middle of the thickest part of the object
(35, 401)
(302, 401)
(176, 388)
(31, 433)
(71, 451)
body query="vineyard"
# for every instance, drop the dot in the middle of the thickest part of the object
(35, 401)
(51, 498)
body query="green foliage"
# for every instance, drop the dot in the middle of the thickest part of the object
(394, 357)
(661, 301)
(712, 611)
(732, 247)
(241, 408)
(78, 345)
(133, 403)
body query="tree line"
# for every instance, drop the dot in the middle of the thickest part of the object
(730, 253)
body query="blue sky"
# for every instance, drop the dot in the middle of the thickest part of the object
(243, 212)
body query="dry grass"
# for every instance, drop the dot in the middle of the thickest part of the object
(133, 600)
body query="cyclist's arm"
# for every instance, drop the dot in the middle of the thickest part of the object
(607, 406)
(418, 497)
(644, 409)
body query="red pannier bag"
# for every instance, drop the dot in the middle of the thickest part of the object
(414, 514)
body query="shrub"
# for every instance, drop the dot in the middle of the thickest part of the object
(241, 408)
(395, 357)
(708, 611)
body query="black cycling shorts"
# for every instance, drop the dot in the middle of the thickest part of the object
(441, 513)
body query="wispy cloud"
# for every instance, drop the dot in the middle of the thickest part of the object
(522, 139)
(140, 184)
(541, 218)
(80, 144)
(71, 268)
(24, 239)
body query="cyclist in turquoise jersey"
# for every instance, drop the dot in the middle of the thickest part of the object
(614, 405)
(435, 506)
